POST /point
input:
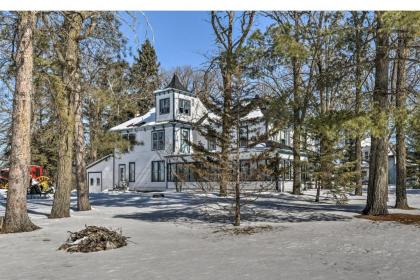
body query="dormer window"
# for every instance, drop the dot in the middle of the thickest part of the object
(164, 106)
(184, 107)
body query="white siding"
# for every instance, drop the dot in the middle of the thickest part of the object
(165, 117)
(103, 167)
(197, 108)
(142, 155)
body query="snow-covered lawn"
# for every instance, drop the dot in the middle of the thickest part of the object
(179, 237)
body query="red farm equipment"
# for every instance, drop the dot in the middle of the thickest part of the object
(38, 180)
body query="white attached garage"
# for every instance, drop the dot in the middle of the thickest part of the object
(95, 182)
(100, 174)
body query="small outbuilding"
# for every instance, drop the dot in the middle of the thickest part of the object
(100, 174)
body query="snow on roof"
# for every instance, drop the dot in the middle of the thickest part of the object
(147, 118)
(98, 161)
(255, 114)
(150, 119)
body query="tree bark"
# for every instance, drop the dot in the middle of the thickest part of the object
(66, 105)
(401, 114)
(237, 221)
(324, 143)
(297, 128)
(297, 168)
(358, 80)
(226, 127)
(16, 217)
(297, 115)
(93, 131)
(378, 166)
(81, 184)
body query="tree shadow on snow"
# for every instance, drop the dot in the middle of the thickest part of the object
(189, 215)
(190, 208)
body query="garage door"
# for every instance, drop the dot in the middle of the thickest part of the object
(95, 182)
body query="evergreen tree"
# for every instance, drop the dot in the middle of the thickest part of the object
(405, 26)
(144, 78)
(378, 164)
(358, 37)
(227, 107)
(16, 217)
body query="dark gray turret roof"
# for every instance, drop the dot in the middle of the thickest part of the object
(176, 84)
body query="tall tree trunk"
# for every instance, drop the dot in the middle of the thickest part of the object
(358, 165)
(66, 105)
(226, 131)
(358, 105)
(81, 185)
(297, 128)
(325, 162)
(324, 143)
(297, 115)
(237, 221)
(401, 114)
(378, 166)
(16, 218)
(93, 131)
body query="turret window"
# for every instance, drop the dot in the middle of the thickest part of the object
(164, 106)
(184, 107)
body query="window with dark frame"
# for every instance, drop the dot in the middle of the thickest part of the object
(185, 141)
(211, 140)
(184, 107)
(245, 169)
(182, 172)
(211, 143)
(131, 171)
(158, 140)
(91, 181)
(122, 170)
(164, 106)
(98, 181)
(243, 136)
(158, 171)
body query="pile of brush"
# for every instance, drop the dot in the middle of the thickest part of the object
(93, 239)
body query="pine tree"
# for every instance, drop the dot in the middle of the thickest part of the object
(359, 49)
(66, 86)
(406, 26)
(401, 111)
(226, 107)
(293, 48)
(16, 217)
(144, 77)
(378, 165)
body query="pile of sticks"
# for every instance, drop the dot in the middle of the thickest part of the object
(93, 239)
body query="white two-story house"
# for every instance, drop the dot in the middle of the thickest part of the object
(162, 137)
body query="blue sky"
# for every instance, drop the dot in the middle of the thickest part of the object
(180, 38)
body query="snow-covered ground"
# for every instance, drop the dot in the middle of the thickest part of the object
(178, 237)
